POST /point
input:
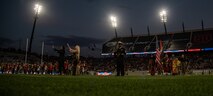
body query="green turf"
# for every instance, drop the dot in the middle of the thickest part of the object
(38, 85)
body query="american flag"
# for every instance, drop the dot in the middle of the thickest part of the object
(158, 51)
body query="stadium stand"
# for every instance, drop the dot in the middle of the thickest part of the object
(194, 39)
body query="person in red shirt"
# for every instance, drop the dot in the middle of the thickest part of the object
(66, 67)
(50, 69)
(152, 65)
(166, 60)
(56, 68)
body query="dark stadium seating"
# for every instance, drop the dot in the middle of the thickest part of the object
(179, 41)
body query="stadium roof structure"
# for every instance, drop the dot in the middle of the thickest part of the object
(188, 41)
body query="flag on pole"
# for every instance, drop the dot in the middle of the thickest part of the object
(26, 51)
(158, 56)
(158, 51)
(161, 46)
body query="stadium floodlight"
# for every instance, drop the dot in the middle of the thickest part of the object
(163, 15)
(114, 24)
(37, 10)
(114, 21)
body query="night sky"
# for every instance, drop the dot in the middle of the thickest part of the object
(87, 22)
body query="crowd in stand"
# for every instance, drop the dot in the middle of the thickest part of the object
(46, 68)
(14, 64)
(11, 63)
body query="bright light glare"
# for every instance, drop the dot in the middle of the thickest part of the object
(37, 8)
(163, 15)
(114, 21)
(114, 24)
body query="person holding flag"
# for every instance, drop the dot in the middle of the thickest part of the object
(158, 56)
(76, 58)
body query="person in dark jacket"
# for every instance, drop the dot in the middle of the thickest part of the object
(119, 56)
(61, 53)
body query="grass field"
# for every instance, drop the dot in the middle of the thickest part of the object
(45, 85)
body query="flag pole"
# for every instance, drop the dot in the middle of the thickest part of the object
(26, 52)
(183, 27)
(148, 30)
(158, 57)
(131, 32)
(202, 25)
(42, 52)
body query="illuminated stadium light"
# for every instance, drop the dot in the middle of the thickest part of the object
(37, 8)
(163, 15)
(114, 24)
(113, 18)
(114, 21)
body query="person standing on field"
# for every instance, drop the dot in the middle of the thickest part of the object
(119, 56)
(61, 53)
(76, 57)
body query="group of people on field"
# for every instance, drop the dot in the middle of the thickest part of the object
(75, 52)
(173, 65)
(119, 55)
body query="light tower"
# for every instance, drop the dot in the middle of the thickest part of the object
(37, 9)
(114, 24)
(163, 15)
